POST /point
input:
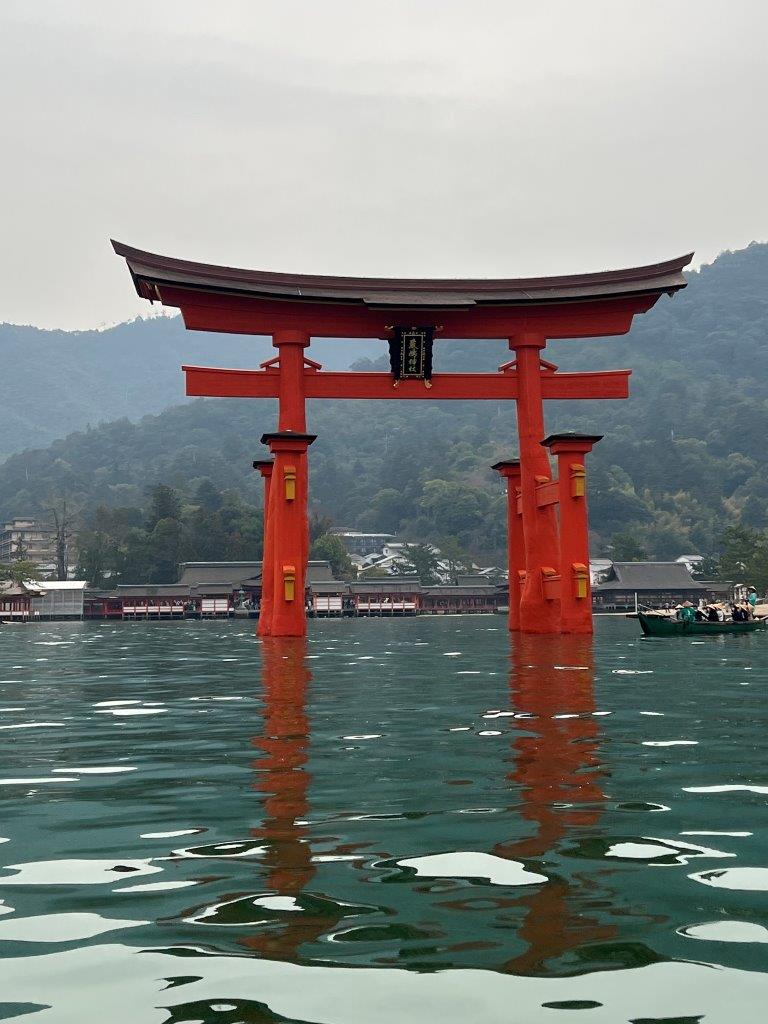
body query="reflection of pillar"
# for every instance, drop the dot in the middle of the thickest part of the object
(284, 784)
(556, 767)
(284, 744)
(264, 466)
(539, 603)
(289, 525)
(515, 541)
(575, 588)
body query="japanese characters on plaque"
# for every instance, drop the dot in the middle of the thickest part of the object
(410, 353)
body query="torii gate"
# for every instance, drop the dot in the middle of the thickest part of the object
(548, 561)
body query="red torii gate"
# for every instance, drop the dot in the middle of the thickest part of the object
(548, 561)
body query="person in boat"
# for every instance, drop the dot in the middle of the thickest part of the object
(752, 600)
(738, 614)
(688, 612)
(713, 613)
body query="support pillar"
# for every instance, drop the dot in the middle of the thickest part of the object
(510, 470)
(289, 526)
(539, 603)
(286, 538)
(575, 587)
(265, 467)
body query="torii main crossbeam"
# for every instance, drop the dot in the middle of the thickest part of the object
(548, 589)
(212, 382)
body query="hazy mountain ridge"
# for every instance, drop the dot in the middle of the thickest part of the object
(55, 382)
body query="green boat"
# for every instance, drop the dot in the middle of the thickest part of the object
(663, 625)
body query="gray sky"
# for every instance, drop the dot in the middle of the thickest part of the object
(422, 137)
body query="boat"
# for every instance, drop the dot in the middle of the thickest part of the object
(663, 625)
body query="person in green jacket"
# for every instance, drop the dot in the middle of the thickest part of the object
(752, 599)
(688, 612)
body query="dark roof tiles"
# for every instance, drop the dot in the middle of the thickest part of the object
(150, 270)
(649, 576)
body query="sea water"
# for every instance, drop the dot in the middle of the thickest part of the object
(404, 820)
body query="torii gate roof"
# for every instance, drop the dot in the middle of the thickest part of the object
(151, 272)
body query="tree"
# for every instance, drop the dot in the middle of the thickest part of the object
(62, 527)
(165, 551)
(627, 549)
(164, 504)
(739, 545)
(454, 509)
(93, 562)
(418, 560)
(319, 525)
(331, 549)
(744, 558)
(386, 511)
(455, 560)
(208, 497)
(20, 571)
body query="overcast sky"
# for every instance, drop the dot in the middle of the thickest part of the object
(424, 137)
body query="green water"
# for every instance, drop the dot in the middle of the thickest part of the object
(398, 821)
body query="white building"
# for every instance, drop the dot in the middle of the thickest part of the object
(60, 599)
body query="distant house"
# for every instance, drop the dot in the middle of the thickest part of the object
(693, 563)
(652, 585)
(599, 569)
(361, 544)
(27, 539)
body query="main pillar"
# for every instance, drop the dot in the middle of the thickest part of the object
(539, 602)
(575, 588)
(510, 470)
(265, 467)
(289, 528)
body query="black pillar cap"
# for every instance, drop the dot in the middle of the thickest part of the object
(505, 463)
(258, 463)
(288, 435)
(571, 435)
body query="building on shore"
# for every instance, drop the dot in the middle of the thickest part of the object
(361, 544)
(225, 589)
(26, 539)
(16, 600)
(43, 600)
(632, 585)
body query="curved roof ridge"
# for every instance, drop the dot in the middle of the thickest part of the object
(150, 269)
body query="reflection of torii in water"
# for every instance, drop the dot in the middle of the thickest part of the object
(555, 763)
(284, 784)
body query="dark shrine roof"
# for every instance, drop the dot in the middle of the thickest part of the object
(149, 590)
(388, 585)
(150, 270)
(649, 576)
(235, 574)
(231, 573)
(450, 590)
(329, 587)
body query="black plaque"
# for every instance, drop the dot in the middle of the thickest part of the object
(410, 353)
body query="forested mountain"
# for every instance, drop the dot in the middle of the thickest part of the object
(683, 458)
(53, 382)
